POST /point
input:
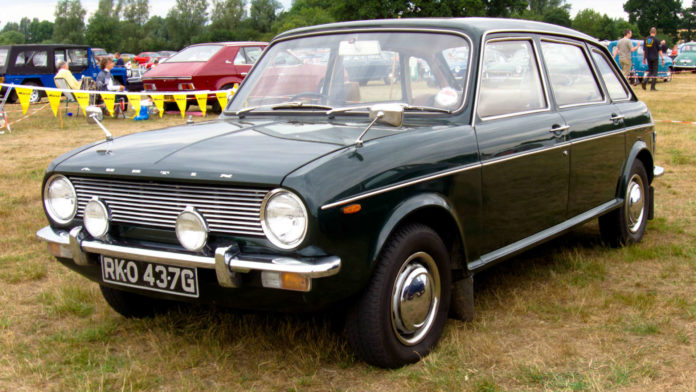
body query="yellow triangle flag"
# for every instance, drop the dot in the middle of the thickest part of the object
(202, 102)
(24, 95)
(222, 98)
(83, 100)
(158, 99)
(134, 101)
(180, 100)
(109, 99)
(54, 100)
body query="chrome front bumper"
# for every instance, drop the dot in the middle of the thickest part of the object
(228, 262)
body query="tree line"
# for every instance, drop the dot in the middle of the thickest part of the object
(126, 26)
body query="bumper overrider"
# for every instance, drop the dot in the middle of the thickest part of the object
(228, 261)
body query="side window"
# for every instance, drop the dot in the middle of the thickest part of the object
(21, 59)
(571, 77)
(31, 58)
(77, 58)
(510, 81)
(616, 89)
(58, 55)
(253, 53)
(40, 59)
(239, 59)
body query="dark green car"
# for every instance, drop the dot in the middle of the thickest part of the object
(385, 199)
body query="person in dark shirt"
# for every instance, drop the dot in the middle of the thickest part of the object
(651, 54)
(118, 61)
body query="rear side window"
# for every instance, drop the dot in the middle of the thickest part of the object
(3, 57)
(510, 81)
(572, 80)
(253, 53)
(616, 89)
(32, 58)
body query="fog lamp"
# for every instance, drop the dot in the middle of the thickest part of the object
(191, 229)
(96, 218)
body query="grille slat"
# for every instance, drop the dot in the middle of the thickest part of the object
(226, 209)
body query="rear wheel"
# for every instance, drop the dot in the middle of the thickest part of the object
(36, 95)
(133, 305)
(626, 225)
(400, 316)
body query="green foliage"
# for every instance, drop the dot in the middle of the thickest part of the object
(663, 14)
(186, 21)
(601, 26)
(263, 14)
(69, 25)
(11, 37)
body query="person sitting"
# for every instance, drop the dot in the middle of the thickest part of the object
(105, 81)
(65, 74)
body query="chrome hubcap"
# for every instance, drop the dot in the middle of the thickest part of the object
(34, 98)
(415, 298)
(635, 203)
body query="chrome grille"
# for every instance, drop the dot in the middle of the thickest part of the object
(226, 209)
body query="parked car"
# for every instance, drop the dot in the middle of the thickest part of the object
(640, 69)
(144, 57)
(35, 65)
(209, 66)
(382, 201)
(686, 60)
(99, 53)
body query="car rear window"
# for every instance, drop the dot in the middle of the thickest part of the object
(195, 53)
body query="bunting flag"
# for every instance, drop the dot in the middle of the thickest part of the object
(202, 102)
(134, 101)
(109, 99)
(158, 99)
(54, 100)
(180, 100)
(24, 95)
(222, 98)
(82, 100)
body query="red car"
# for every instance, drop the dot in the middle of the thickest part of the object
(145, 57)
(209, 66)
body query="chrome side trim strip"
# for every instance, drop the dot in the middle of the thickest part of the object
(613, 133)
(524, 154)
(401, 185)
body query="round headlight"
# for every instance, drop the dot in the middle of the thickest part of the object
(60, 199)
(191, 230)
(284, 219)
(96, 218)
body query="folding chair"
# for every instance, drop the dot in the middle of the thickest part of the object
(63, 85)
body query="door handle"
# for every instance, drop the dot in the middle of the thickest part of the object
(559, 128)
(616, 117)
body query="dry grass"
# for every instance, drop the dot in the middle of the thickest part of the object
(571, 315)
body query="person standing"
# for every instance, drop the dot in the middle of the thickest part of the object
(651, 55)
(625, 47)
(118, 61)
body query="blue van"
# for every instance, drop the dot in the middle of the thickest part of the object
(35, 65)
(640, 69)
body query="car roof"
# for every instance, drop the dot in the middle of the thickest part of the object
(37, 46)
(233, 43)
(474, 27)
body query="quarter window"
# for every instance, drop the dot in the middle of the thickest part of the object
(510, 81)
(572, 80)
(616, 89)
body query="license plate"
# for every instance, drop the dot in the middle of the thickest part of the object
(150, 276)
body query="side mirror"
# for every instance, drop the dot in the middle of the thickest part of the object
(388, 113)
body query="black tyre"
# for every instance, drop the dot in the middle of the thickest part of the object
(626, 225)
(400, 316)
(133, 305)
(36, 95)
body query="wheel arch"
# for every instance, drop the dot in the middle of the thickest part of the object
(641, 152)
(434, 211)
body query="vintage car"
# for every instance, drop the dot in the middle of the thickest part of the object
(686, 60)
(35, 65)
(382, 201)
(209, 66)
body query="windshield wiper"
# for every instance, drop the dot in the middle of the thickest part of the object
(426, 109)
(285, 105)
(405, 106)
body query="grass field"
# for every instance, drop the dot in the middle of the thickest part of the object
(571, 315)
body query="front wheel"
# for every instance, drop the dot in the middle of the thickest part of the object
(35, 94)
(626, 225)
(400, 316)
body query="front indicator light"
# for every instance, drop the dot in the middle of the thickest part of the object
(285, 281)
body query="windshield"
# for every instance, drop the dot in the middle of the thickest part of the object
(195, 54)
(359, 69)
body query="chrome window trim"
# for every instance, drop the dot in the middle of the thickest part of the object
(590, 64)
(620, 77)
(470, 166)
(542, 78)
(426, 30)
(389, 188)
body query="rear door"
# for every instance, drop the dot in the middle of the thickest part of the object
(522, 144)
(595, 124)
